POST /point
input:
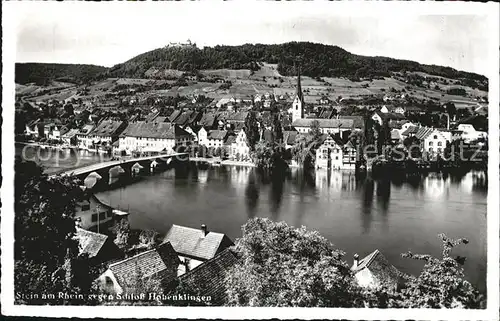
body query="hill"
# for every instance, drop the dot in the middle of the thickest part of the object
(316, 60)
(45, 73)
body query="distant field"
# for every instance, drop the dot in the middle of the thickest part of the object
(265, 80)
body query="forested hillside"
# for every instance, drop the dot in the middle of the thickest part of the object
(316, 60)
(44, 73)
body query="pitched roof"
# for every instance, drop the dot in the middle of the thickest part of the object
(424, 132)
(70, 133)
(359, 121)
(152, 263)
(107, 128)
(173, 116)
(381, 269)
(230, 139)
(89, 242)
(86, 129)
(183, 118)
(209, 277)
(325, 123)
(237, 116)
(153, 130)
(410, 130)
(217, 134)
(390, 116)
(190, 242)
(208, 120)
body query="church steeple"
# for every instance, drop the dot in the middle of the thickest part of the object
(298, 101)
(298, 91)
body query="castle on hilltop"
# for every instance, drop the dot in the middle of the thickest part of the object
(187, 44)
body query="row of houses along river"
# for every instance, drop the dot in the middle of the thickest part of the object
(356, 214)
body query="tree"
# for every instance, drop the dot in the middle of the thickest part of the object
(286, 266)
(252, 130)
(315, 129)
(450, 108)
(441, 283)
(277, 129)
(45, 250)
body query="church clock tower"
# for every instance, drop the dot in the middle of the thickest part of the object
(298, 101)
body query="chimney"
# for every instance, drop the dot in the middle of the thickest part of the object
(204, 230)
(356, 260)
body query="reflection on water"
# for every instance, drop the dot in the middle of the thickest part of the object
(357, 214)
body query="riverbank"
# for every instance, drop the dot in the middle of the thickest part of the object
(217, 162)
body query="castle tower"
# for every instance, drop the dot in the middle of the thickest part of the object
(298, 101)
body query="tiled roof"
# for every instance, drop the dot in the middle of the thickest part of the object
(209, 277)
(173, 116)
(86, 129)
(153, 130)
(381, 269)
(423, 132)
(107, 128)
(390, 116)
(183, 119)
(208, 120)
(190, 242)
(217, 134)
(152, 263)
(89, 242)
(237, 116)
(71, 133)
(359, 121)
(410, 130)
(230, 139)
(325, 123)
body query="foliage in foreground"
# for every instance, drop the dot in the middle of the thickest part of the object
(285, 266)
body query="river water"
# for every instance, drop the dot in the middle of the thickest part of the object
(356, 215)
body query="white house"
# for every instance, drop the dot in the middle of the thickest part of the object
(152, 137)
(83, 139)
(329, 154)
(239, 147)
(212, 138)
(195, 246)
(106, 132)
(432, 140)
(469, 133)
(92, 213)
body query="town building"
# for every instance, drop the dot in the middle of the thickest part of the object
(349, 156)
(145, 137)
(326, 126)
(83, 139)
(329, 153)
(393, 109)
(209, 278)
(106, 132)
(159, 264)
(195, 246)
(381, 117)
(93, 214)
(298, 104)
(432, 140)
(469, 133)
(239, 148)
(212, 138)
(97, 247)
(69, 137)
(33, 128)
(374, 271)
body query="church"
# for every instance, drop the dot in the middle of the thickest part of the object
(303, 125)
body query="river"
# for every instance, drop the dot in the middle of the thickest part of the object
(356, 215)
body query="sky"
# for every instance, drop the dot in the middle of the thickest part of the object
(110, 33)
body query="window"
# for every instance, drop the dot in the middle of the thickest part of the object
(435, 137)
(430, 143)
(440, 144)
(336, 158)
(110, 214)
(102, 216)
(85, 207)
(94, 217)
(439, 150)
(430, 149)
